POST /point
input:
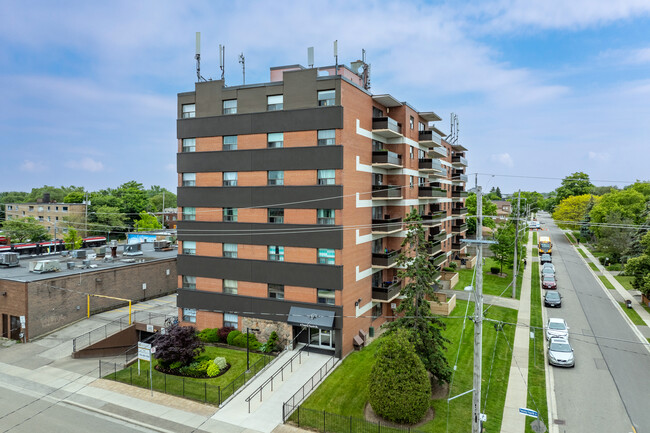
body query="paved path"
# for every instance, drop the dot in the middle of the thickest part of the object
(498, 301)
(517, 393)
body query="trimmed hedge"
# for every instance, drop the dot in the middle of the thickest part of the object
(209, 335)
(231, 337)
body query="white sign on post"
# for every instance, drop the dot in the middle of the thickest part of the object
(144, 351)
(22, 321)
(149, 328)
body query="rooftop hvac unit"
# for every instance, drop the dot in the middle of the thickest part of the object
(43, 266)
(71, 265)
(162, 245)
(9, 259)
(132, 250)
(85, 263)
(79, 254)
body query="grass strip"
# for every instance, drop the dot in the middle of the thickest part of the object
(582, 253)
(570, 238)
(626, 281)
(633, 315)
(593, 267)
(606, 282)
(536, 361)
(534, 239)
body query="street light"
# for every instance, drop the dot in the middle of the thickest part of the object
(247, 349)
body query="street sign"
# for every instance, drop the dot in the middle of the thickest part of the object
(22, 321)
(528, 412)
(144, 351)
(538, 426)
(149, 328)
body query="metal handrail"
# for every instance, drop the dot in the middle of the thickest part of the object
(265, 359)
(279, 371)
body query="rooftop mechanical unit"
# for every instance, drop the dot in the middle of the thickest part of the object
(9, 260)
(132, 250)
(42, 266)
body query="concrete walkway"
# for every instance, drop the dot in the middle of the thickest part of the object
(517, 393)
(498, 301)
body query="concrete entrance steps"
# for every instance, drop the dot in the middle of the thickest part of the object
(266, 415)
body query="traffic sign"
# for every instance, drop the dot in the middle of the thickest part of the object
(528, 412)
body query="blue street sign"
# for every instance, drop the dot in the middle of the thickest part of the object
(528, 412)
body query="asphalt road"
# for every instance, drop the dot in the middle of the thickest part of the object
(26, 413)
(607, 391)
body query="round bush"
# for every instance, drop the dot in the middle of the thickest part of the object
(399, 387)
(231, 337)
(213, 370)
(220, 362)
(209, 335)
(223, 333)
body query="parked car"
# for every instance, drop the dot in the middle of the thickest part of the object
(560, 352)
(549, 282)
(552, 299)
(556, 327)
(548, 271)
(549, 265)
(546, 258)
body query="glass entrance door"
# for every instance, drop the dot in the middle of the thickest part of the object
(321, 338)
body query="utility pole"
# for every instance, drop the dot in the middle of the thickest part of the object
(163, 211)
(478, 316)
(86, 219)
(515, 267)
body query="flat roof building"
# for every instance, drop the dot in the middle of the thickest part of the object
(291, 199)
(51, 215)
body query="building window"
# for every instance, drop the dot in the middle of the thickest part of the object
(230, 214)
(189, 110)
(274, 102)
(189, 315)
(275, 139)
(326, 256)
(421, 181)
(230, 251)
(411, 182)
(326, 177)
(326, 296)
(325, 216)
(376, 112)
(229, 142)
(275, 177)
(189, 145)
(40, 208)
(230, 106)
(411, 151)
(229, 178)
(276, 291)
(421, 126)
(230, 287)
(189, 248)
(230, 320)
(411, 122)
(276, 215)
(189, 214)
(189, 179)
(189, 282)
(64, 208)
(326, 98)
(31, 208)
(376, 310)
(327, 137)
(276, 253)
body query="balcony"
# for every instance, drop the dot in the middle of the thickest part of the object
(459, 228)
(459, 194)
(429, 164)
(438, 152)
(386, 127)
(439, 174)
(386, 225)
(457, 246)
(388, 291)
(431, 192)
(459, 211)
(460, 178)
(386, 192)
(429, 139)
(385, 260)
(458, 161)
(434, 248)
(386, 159)
(438, 260)
(433, 218)
(440, 236)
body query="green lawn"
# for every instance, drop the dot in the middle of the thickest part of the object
(593, 266)
(345, 391)
(582, 253)
(534, 239)
(614, 267)
(633, 315)
(536, 374)
(492, 284)
(625, 280)
(196, 389)
(570, 237)
(606, 282)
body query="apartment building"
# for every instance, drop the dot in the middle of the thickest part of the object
(291, 199)
(51, 215)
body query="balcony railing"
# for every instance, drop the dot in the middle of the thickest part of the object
(386, 191)
(456, 246)
(459, 228)
(429, 138)
(433, 217)
(429, 164)
(385, 259)
(430, 191)
(442, 173)
(459, 211)
(459, 178)
(436, 261)
(438, 152)
(434, 247)
(386, 225)
(458, 194)
(386, 158)
(459, 160)
(441, 235)
(386, 127)
(387, 292)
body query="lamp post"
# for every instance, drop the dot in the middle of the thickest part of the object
(247, 348)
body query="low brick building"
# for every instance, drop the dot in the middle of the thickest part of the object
(55, 299)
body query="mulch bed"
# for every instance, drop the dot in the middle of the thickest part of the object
(177, 373)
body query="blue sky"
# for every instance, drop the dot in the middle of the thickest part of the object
(541, 88)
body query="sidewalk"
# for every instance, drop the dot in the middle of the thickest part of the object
(517, 393)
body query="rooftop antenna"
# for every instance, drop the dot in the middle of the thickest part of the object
(457, 129)
(198, 57)
(242, 60)
(222, 56)
(310, 57)
(336, 57)
(365, 73)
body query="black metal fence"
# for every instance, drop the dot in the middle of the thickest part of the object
(334, 423)
(190, 388)
(290, 405)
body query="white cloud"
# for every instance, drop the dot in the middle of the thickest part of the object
(32, 166)
(503, 158)
(86, 164)
(598, 156)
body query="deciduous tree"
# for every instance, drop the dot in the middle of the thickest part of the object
(72, 239)
(25, 229)
(573, 209)
(147, 222)
(177, 344)
(489, 208)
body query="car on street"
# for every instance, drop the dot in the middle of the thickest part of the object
(546, 258)
(560, 353)
(552, 299)
(549, 282)
(549, 265)
(548, 271)
(556, 327)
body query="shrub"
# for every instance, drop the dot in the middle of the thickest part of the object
(240, 341)
(448, 269)
(453, 266)
(399, 388)
(175, 365)
(223, 333)
(196, 369)
(271, 344)
(220, 362)
(209, 335)
(494, 270)
(231, 337)
(213, 370)
(177, 344)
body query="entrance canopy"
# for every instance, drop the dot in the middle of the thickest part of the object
(311, 318)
